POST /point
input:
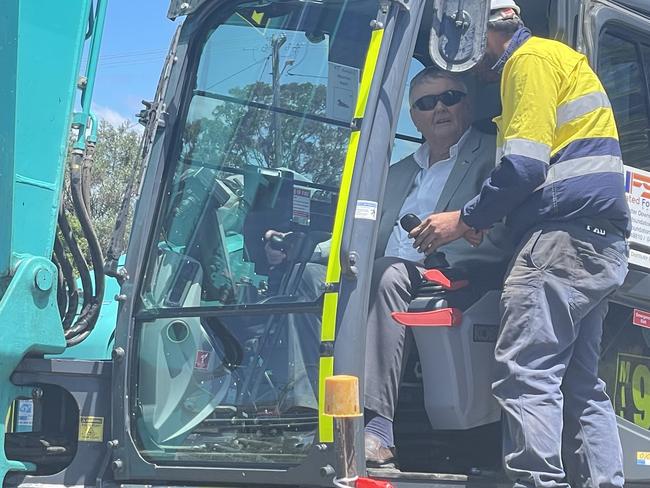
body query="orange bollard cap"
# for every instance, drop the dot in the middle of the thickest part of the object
(342, 396)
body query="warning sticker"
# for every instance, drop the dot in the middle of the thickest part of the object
(366, 209)
(632, 393)
(202, 359)
(301, 206)
(342, 91)
(641, 318)
(25, 414)
(643, 458)
(91, 429)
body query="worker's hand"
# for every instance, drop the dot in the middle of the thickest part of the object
(474, 237)
(437, 230)
(273, 256)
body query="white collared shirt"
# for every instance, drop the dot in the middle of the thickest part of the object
(422, 199)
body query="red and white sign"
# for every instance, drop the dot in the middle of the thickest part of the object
(202, 359)
(641, 318)
(639, 183)
(637, 188)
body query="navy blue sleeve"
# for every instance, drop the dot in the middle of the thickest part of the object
(508, 185)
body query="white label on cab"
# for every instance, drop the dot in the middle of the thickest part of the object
(366, 209)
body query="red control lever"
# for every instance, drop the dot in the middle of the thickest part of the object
(443, 317)
(438, 277)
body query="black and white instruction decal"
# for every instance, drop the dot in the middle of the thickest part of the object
(342, 90)
(366, 209)
(301, 206)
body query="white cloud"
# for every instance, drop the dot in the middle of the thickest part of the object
(115, 118)
(109, 115)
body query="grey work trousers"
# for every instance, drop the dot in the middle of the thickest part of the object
(387, 342)
(559, 425)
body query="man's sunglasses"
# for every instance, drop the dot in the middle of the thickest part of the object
(448, 99)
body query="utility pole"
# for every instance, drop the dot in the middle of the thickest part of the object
(276, 44)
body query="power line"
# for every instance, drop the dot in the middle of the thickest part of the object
(126, 54)
(131, 54)
(235, 74)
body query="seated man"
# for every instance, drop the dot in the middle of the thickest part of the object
(442, 174)
(447, 169)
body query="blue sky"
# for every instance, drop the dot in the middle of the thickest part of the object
(136, 39)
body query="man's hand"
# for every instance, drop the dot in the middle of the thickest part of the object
(439, 229)
(273, 256)
(474, 237)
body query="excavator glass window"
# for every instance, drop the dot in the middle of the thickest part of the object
(621, 69)
(228, 331)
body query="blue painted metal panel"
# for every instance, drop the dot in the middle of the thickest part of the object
(41, 44)
(49, 49)
(29, 322)
(81, 118)
(8, 60)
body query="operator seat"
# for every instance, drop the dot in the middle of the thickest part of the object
(454, 317)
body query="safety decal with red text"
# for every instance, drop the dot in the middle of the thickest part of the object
(641, 318)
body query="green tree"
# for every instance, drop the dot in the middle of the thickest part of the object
(237, 134)
(115, 160)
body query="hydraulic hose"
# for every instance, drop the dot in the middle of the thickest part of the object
(70, 283)
(90, 312)
(61, 294)
(74, 340)
(77, 256)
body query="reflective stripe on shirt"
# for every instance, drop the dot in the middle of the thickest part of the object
(551, 98)
(528, 148)
(581, 106)
(571, 168)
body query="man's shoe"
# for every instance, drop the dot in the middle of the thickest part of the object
(378, 456)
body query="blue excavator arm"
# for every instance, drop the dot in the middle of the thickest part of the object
(41, 48)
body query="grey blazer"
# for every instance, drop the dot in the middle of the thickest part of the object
(475, 161)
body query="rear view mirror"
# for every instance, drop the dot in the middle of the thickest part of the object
(458, 33)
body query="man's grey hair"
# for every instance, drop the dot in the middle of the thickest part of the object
(432, 73)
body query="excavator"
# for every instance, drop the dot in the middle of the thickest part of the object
(273, 127)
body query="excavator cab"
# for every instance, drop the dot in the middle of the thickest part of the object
(259, 243)
(248, 271)
(292, 108)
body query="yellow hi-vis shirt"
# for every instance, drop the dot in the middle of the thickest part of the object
(558, 156)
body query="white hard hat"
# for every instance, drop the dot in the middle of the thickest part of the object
(504, 4)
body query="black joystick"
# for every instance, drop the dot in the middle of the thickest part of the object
(284, 242)
(437, 259)
(277, 242)
(409, 222)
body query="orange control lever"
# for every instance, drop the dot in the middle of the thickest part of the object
(438, 277)
(443, 317)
